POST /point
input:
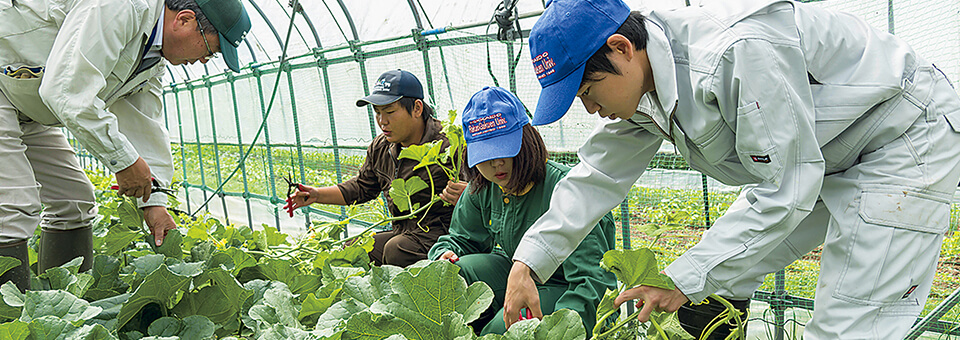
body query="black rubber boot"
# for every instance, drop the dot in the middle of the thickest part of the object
(60, 246)
(695, 318)
(19, 275)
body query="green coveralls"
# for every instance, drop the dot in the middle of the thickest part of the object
(487, 218)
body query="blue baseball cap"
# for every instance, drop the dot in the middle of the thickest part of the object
(391, 86)
(566, 35)
(232, 24)
(493, 125)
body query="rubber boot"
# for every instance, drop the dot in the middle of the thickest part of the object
(695, 318)
(60, 246)
(19, 275)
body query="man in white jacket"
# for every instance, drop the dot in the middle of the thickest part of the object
(842, 134)
(93, 67)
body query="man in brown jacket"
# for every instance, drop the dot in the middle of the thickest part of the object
(405, 120)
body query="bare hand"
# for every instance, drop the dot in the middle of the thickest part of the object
(521, 293)
(135, 180)
(450, 256)
(451, 194)
(652, 299)
(304, 196)
(159, 221)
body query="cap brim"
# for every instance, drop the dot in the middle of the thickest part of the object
(555, 99)
(378, 99)
(503, 146)
(229, 53)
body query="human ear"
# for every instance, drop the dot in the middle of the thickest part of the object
(185, 18)
(417, 108)
(620, 45)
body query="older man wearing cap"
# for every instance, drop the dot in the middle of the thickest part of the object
(92, 66)
(405, 120)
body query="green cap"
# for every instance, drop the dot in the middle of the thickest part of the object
(232, 24)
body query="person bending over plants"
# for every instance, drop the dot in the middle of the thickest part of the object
(840, 133)
(510, 186)
(405, 120)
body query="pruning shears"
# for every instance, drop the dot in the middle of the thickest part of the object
(525, 314)
(156, 188)
(292, 187)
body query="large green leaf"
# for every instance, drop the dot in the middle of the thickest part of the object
(15, 330)
(636, 267)
(370, 288)
(220, 299)
(130, 216)
(436, 290)
(274, 237)
(191, 327)
(281, 332)
(145, 265)
(283, 303)
(106, 272)
(303, 284)
(670, 325)
(332, 322)
(419, 302)
(162, 287)
(50, 327)
(454, 328)
(372, 326)
(278, 270)
(315, 304)
(7, 263)
(401, 190)
(58, 303)
(110, 309)
(241, 259)
(523, 330)
(65, 277)
(90, 332)
(562, 324)
(330, 273)
(353, 256)
(425, 154)
(171, 246)
(117, 239)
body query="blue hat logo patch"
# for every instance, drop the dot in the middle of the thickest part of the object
(487, 124)
(543, 65)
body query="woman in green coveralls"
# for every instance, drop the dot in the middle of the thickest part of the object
(504, 150)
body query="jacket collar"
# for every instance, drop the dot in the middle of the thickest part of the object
(661, 102)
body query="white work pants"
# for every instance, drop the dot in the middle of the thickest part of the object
(37, 165)
(881, 223)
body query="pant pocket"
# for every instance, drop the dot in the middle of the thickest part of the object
(894, 248)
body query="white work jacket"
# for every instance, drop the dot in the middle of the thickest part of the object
(89, 50)
(775, 94)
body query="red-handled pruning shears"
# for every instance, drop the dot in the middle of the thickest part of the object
(525, 314)
(292, 187)
(156, 188)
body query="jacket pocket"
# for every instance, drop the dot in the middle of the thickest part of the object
(24, 94)
(755, 148)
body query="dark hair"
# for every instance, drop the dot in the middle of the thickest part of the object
(634, 30)
(179, 5)
(408, 103)
(529, 165)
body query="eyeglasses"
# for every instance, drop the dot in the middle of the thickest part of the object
(210, 54)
